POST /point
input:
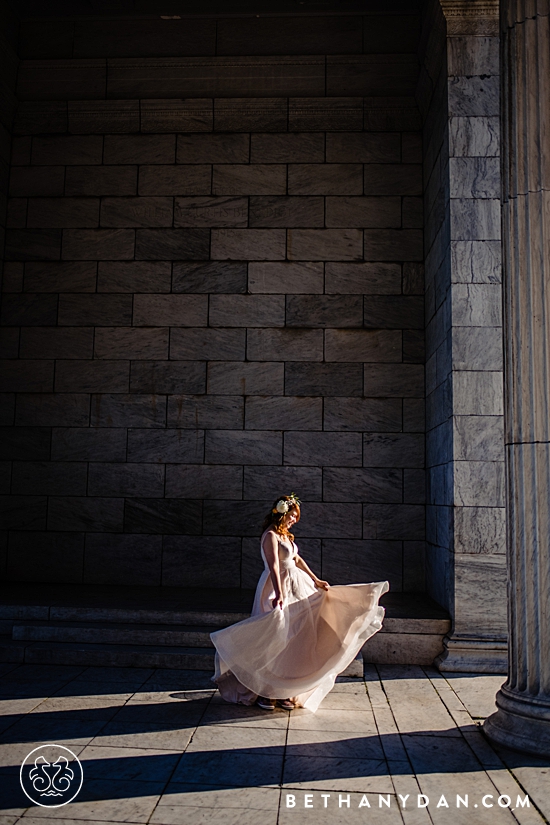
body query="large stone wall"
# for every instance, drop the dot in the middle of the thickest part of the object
(209, 301)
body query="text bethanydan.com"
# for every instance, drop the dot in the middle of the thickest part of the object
(343, 800)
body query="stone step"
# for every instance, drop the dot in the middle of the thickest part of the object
(215, 618)
(114, 633)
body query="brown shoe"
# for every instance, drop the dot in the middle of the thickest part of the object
(286, 704)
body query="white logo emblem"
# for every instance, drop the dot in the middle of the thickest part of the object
(51, 776)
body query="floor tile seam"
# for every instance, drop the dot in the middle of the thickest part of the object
(543, 819)
(449, 711)
(398, 732)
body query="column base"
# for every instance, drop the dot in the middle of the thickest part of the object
(521, 723)
(473, 655)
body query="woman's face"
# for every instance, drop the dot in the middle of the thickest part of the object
(290, 518)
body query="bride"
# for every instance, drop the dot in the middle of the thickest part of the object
(301, 633)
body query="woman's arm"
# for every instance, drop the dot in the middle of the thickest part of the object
(303, 566)
(271, 553)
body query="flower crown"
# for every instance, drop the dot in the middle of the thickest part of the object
(284, 505)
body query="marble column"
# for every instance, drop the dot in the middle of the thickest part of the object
(523, 717)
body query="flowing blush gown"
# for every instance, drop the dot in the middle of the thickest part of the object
(298, 651)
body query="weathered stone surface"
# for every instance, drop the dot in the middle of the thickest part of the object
(367, 278)
(323, 449)
(413, 213)
(210, 277)
(414, 349)
(393, 179)
(120, 410)
(480, 530)
(26, 376)
(206, 412)
(284, 345)
(165, 516)
(91, 515)
(376, 346)
(143, 37)
(478, 438)
(266, 482)
(345, 561)
(23, 512)
(362, 414)
(393, 244)
(25, 444)
(477, 393)
(16, 216)
(46, 557)
(171, 244)
(99, 116)
(251, 114)
(170, 310)
(95, 310)
(280, 413)
(344, 522)
(220, 561)
(135, 344)
(248, 244)
(246, 311)
(474, 96)
(168, 377)
(286, 211)
(414, 486)
(49, 478)
(141, 211)
(474, 137)
(177, 115)
(98, 244)
(477, 348)
(474, 177)
(397, 312)
(175, 180)
(364, 485)
(337, 114)
(67, 150)
(237, 447)
(324, 244)
(283, 35)
(475, 219)
(133, 276)
(12, 276)
(479, 483)
(85, 444)
(414, 415)
(323, 379)
(31, 180)
(324, 311)
(60, 276)
(139, 149)
(354, 147)
(477, 305)
(166, 446)
(92, 376)
(28, 310)
(216, 211)
(363, 212)
(101, 180)
(207, 344)
(476, 262)
(238, 378)
(285, 278)
(51, 342)
(256, 179)
(401, 521)
(325, 179)
(40, 117)
(53, 410)
(123, 559)
(212, 149)
(372, 74)
(110, 479)
(33, 244)
(202, 481)
(289, 148)
(392, 381)
(231, 518)
(62, 212)
(393, 450)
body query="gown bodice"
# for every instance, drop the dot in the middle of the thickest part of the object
(295, 584)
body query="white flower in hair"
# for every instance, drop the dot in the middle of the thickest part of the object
(282, 506)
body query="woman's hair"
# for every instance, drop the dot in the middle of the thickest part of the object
(276, 519)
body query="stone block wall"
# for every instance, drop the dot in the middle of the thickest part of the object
(211, 301)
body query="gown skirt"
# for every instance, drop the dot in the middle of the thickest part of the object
(298, 651)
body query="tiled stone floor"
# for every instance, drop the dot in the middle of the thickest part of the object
(162, 747)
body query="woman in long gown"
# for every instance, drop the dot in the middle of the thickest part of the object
(302, 632)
